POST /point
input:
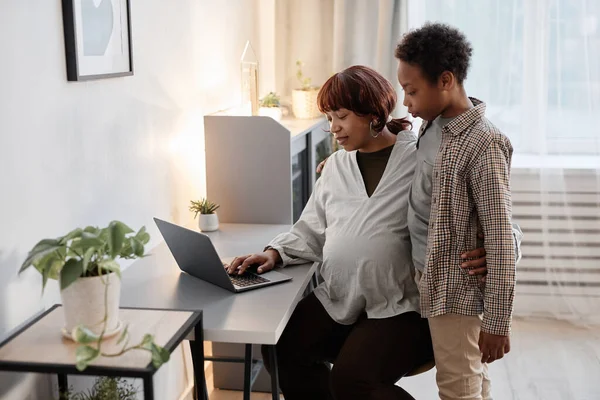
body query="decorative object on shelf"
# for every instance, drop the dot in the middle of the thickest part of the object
(249, 69)
(84, 262)
(208, 220)
(270, 106)
(97, 39)
(304, 99)
(105, 388)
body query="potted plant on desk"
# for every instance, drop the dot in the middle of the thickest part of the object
(205, 210)
(84, 261)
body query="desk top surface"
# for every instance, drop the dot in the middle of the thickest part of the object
(256, 316)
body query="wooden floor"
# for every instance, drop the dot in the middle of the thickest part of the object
(550, 360)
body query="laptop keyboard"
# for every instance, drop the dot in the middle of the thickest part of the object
(247, 279)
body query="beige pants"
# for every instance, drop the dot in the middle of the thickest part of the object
(460, 373)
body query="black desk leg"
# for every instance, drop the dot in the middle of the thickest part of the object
(274, 373)
(63, 386)
(148, 388)
(248, 372)
(197, 348)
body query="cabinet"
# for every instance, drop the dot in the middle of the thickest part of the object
(259, 170)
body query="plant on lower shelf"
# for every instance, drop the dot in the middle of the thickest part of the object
(105, 388)
(84, 262)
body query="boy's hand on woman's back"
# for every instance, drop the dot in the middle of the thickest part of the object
(475, 261)
(321, 165)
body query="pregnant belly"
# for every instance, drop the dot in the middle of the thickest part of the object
(352, 265)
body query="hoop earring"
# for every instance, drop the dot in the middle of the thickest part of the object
(373, 134)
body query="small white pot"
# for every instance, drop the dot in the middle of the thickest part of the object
(83, 303)
(208, 222)
(304, 103)
(273, 112)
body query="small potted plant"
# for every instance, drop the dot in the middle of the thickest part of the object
(84, 261)
(304, 99)
(208, 219)
(270, 106)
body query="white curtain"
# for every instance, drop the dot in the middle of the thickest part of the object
(330, 35)
(536, 64)
(366, 33)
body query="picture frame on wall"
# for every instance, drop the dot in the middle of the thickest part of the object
(97, 39)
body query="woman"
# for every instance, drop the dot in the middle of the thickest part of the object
(364, 317)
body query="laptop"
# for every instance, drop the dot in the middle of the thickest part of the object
(195, 254)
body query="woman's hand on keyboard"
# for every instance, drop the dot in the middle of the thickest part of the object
(266, 261)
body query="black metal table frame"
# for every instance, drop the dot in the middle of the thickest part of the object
(252, 368)
(63, 370)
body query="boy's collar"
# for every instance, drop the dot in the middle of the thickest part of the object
(459, 124)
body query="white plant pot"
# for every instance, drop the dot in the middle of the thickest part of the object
(273, 112)
(83, 304)
(304, 103)
(208, 222)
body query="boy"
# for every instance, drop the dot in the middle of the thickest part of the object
(460, 191)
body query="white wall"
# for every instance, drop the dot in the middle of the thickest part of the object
(73, 154)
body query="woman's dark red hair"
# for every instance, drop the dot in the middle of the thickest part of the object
(365, 92)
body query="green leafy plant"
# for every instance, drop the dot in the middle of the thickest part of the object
(105, 388)
(305, 82)
(85, 252)
(93, 252)
(203, 206)
(270, 100)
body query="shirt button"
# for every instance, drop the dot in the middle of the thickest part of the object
(437, 174)
(434, 200)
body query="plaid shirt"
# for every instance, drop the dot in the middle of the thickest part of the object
(471, 194)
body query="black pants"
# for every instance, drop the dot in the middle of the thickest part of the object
(368, 357)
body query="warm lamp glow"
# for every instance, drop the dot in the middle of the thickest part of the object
(187, 147)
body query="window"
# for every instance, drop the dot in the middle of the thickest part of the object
(536, 63)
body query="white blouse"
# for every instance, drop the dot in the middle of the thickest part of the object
(363, 242)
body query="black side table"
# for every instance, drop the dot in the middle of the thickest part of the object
(39, 346)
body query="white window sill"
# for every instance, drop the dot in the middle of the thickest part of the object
(536, 161)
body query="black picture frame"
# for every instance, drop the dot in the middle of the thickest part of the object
(72, 48)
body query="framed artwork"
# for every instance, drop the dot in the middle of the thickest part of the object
(97, 39)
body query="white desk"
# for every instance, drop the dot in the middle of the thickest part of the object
(257, 316)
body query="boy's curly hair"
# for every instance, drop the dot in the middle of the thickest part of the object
(436, 48)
